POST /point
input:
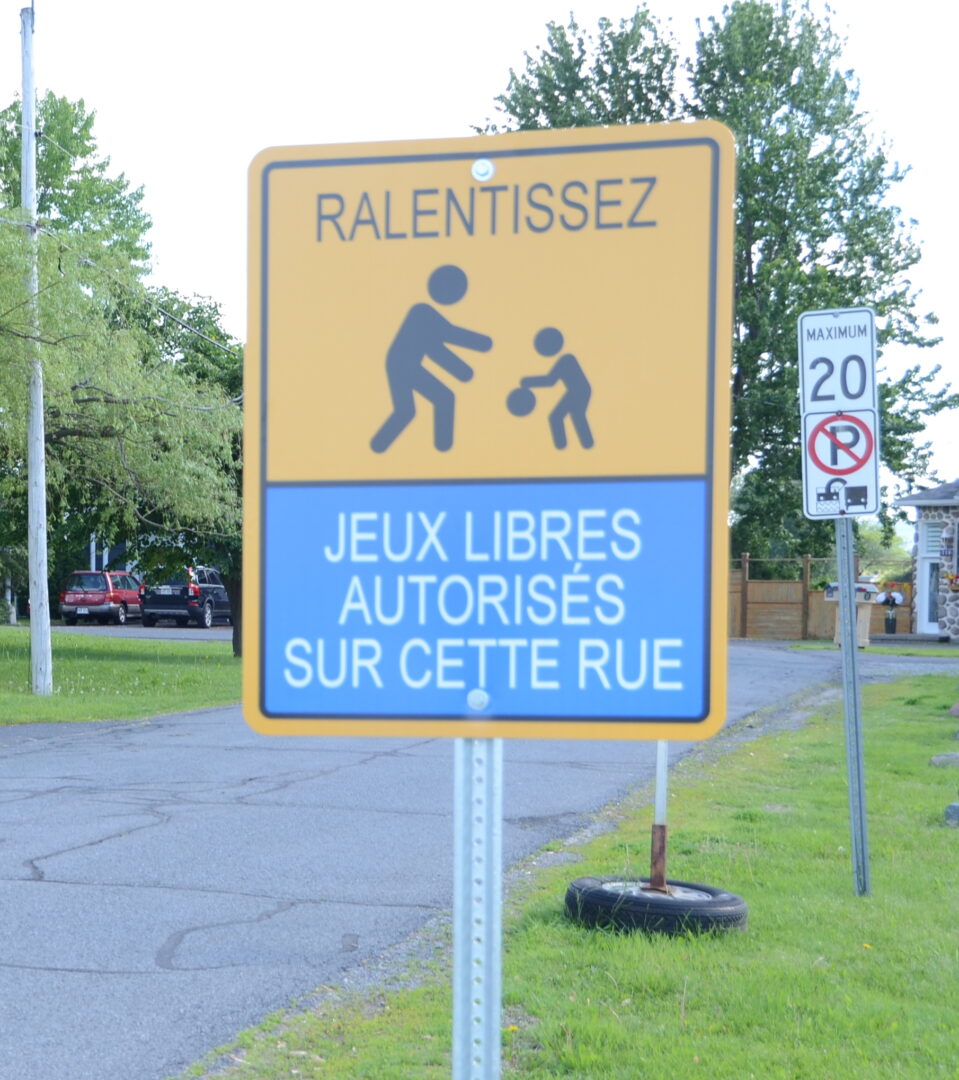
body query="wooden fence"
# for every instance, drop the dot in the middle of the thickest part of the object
(794, 610)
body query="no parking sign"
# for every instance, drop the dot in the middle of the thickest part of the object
(840, 412)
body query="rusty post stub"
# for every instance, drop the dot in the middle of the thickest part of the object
(657, 872)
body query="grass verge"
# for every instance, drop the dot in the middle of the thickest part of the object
(824, 985)
(948, 652)
(112, 678)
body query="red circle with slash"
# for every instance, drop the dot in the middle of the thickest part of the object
(823, 428)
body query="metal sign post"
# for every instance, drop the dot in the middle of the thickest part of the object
(840, 438)
(852, 706)
(477, 908)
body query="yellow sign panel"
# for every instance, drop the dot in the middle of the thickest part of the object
(487, 426)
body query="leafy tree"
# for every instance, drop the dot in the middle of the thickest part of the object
(814, 225)
(624, 75)
(883, 556)
(189, 334)
(75, 193)
(135, 440)
(142, 434)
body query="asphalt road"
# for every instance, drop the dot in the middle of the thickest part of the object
(168, 882)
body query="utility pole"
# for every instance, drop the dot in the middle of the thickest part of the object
(41, 658)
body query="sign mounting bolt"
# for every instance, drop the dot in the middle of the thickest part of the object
(477, 700)
(483, 170)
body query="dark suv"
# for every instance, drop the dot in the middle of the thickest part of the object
(195, 594)
(104, 595)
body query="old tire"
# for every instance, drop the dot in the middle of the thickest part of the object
(627, 904)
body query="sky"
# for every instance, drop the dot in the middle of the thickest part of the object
(186, 92)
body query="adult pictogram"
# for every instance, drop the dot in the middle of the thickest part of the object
(573, 403)
(849, 442)
(425, 334)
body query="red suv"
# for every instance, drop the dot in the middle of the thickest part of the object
(104, 595)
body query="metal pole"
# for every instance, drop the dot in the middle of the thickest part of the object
(477, 908)
(11, 600)
(853, 705)
(657, 861)
(41, 659)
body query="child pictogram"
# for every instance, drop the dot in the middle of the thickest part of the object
(521, 401)
(427, 333)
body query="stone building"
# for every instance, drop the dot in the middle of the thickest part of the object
(935, 568)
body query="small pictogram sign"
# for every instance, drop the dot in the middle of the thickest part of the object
(837, 495)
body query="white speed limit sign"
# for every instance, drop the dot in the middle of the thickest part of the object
(840, 412)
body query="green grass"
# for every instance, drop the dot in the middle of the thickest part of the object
(114, 678)
(824, 985)
(948, 651)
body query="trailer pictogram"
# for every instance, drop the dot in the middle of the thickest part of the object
(837, 495)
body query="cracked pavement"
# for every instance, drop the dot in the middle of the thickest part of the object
(166, 883)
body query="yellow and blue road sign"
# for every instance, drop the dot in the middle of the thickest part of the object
(487, 435)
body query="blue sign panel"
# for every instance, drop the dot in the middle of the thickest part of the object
(571, 599)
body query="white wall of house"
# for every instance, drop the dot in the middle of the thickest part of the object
(937, 602)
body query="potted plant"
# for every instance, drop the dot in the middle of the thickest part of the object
(952, 582)
(891, 598)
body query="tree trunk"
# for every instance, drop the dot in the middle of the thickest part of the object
(234, 588)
